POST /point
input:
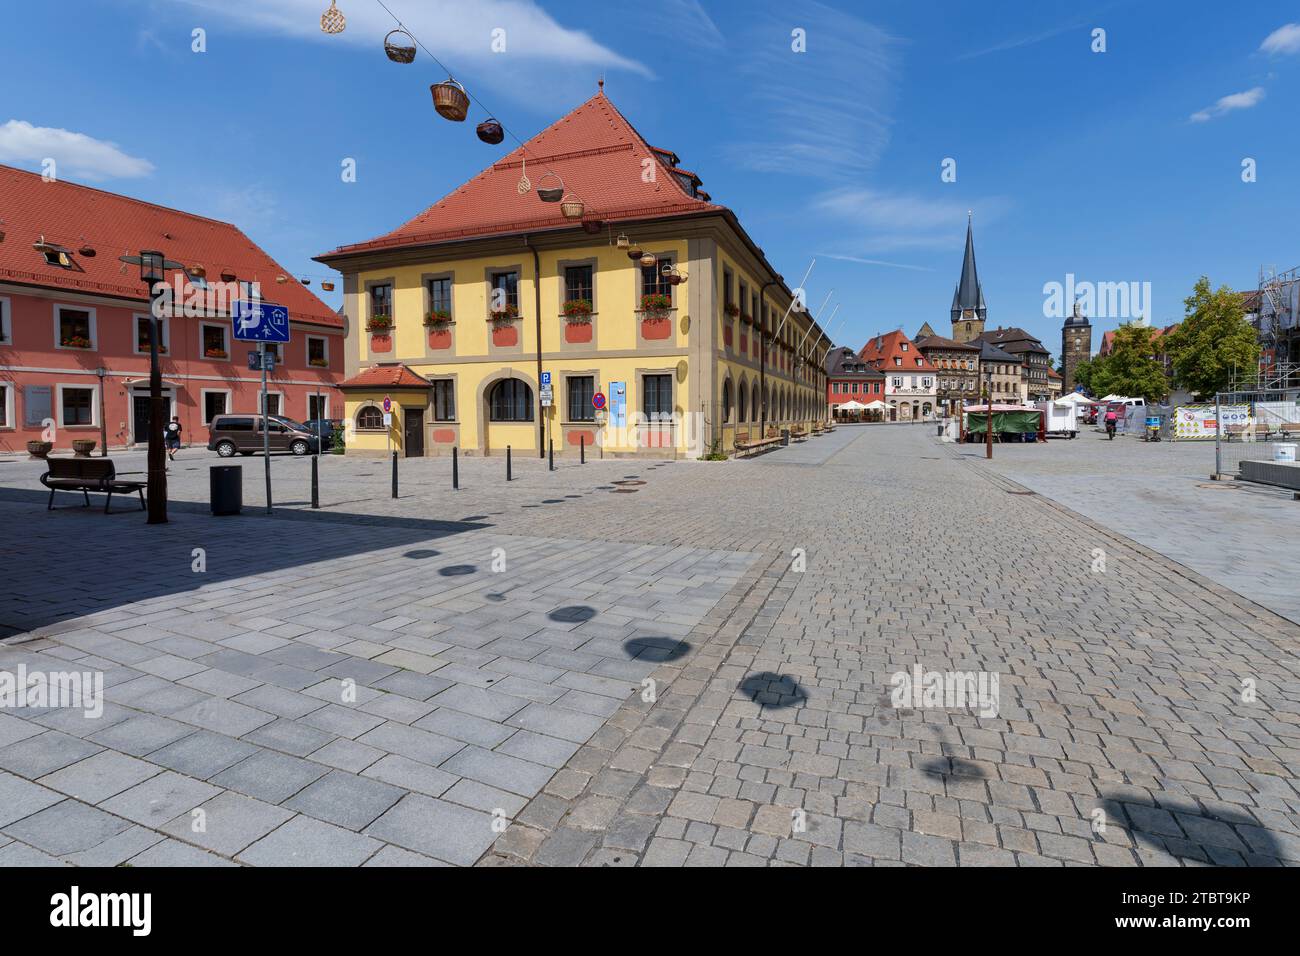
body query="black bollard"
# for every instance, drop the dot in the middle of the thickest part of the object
(455, 469)
(550, 455)
(394, 474)
(582, 449)
(315, 484)
(507, 462)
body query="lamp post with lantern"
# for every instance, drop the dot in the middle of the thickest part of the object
(153, 273)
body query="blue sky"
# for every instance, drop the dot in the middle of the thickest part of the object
(1117, 166)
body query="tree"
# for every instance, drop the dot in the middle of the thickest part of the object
(1083, 374)
(1131, 368)
(1212, 340)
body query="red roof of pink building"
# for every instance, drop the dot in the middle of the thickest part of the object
(392, 375)
(95, 227)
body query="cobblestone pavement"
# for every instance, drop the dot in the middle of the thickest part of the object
(1160, 495)
(693, 668)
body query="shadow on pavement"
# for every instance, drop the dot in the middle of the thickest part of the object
(76, 561)
(1181, 827)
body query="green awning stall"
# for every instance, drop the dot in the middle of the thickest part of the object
(1004, 423)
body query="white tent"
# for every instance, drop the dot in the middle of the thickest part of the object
(852, 406)
(1075, 399)
(875, 404)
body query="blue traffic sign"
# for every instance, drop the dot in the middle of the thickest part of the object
(546, 379)
(260, 321)
(257, 359)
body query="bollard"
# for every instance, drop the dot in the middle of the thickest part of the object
(394, 474)
(455, 469)
(550, 455)
(582, 449)
(315, 484)
(507, 462)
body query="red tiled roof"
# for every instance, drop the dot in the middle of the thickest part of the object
(74, 216)
(597, 154)
(1108, 338)
(386, 376)
(881, 351)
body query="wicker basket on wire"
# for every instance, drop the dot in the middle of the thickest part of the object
(398, 51)
(450, 100)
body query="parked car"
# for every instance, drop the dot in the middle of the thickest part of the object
(243, 434)
(330, 429)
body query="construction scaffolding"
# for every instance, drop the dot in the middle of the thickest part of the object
(1278, 309)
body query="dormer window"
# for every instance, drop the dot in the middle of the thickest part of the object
(57, 257)
(904, 346)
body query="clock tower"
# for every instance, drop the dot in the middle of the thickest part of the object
(968, 308)
(1076, 347)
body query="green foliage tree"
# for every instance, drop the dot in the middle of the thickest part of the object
(1213, 339)
(1131, 368)
(1083, 375)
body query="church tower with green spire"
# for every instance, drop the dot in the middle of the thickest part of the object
(968, 308)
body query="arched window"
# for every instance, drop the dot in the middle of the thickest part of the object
(742, 403)
(370, 417)
(726, 402)
(755, 408)
(511, 401)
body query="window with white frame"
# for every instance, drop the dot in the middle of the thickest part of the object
(142, 335)
(6, 336)
(6, 405)
(215, 402)
(74, 327)
(212, 342)
(77, 405)
(318, 354)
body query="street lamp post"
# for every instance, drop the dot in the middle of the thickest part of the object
(102, 373)
(153, 274)
(988, 420)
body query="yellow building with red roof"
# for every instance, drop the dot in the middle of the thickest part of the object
(590, 260)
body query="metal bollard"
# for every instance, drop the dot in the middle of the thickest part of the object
(455, 469)
(507, 462)
(394, 474)
(550, 456)
(315, 484)
(582, 449)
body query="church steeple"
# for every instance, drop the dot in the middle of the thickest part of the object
(968, 308)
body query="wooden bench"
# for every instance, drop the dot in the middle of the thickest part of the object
(1237, 431)
(87, 475)
(798, 434)
(1287, 430)
(747, 446)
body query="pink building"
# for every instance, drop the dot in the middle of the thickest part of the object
(74, 339)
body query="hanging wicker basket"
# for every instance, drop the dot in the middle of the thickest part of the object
(450, 100)
(572, 207)
(398, 51)
(524, 184)
(490, 131)
(550, 193)
(332, 20)
(648, 259)
(327, 286)
(622, 241)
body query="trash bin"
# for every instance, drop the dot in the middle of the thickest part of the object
(1284, 452)
(939, 433)
(226, 485)
(785, 437)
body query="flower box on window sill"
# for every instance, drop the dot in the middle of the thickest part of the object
(731, 309)
(438, 319)
(508, 314)
(747, 319)
(578, 310)
(319, 363)
(75, 342)
(656, 304)
(215, 353)
(379, 323)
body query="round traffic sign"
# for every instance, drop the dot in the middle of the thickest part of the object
(598, 400)
(388, 404)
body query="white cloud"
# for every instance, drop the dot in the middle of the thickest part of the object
(874, 262)
(455, 31)
(1226, 104)
(77, 155)
(826, 112)
(884, 221)
(1283, 40)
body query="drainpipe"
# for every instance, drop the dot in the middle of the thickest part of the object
(762, 356)
(537, 311)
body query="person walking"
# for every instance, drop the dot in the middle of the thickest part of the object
(172, 438)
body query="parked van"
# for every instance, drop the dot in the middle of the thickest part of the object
(243, 434)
